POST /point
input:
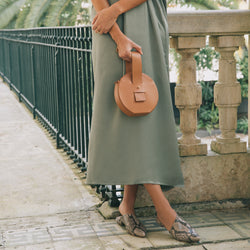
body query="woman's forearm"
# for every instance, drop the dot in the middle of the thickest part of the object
(115, 31)
(104, 12)
(117, 8)
(121, 5)
(100, 4)
(126, 5)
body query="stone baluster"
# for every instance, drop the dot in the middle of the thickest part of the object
(188, 94)
(227, 95)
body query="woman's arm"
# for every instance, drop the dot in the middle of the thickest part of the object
(102, 5)
(106, 15)
(126, 5)
(124, 44)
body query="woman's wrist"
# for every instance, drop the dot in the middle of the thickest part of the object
(116, 33)
(117, 8)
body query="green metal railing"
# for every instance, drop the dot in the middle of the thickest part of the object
(50, 70)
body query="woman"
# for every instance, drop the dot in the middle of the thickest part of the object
(134, 150)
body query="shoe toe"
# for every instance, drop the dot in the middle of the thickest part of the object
(194, 237)
(138, 232)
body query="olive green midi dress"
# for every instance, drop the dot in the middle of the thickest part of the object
(133, 150)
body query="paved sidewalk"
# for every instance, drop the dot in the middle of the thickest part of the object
(44, 205)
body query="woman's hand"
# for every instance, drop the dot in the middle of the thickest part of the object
(124, 47)
(105, 19)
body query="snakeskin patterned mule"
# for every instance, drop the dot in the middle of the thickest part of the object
(182, 231)
(132, 225)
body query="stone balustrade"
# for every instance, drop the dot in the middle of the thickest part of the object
(218, 178)
(188, 32)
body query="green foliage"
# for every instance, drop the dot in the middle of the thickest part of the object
(5, 3)
(8, 11)
(39, 13)
(204, 59)
(206, 4)
(229, 3)
(243, 65)
(68, 16)
(242, 125)
(38, 7)
(208, 114)
(24, 11)
(53, 14)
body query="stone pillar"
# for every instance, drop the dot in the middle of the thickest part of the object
(248, 84)
(227, 95)
(188, 94)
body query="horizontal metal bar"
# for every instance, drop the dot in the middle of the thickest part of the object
(46, 44)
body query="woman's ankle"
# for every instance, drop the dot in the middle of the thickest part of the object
(125, 209)
(167, 219)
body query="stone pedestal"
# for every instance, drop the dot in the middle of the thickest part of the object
(227, 95)
(188, 95)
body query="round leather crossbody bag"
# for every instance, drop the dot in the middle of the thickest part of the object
(136, 93)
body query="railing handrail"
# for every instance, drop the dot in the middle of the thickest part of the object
(45, 28)
(213, 22)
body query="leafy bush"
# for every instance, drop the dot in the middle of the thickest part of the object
(243, 66)
(242, 125)
(204, 59)
(208, 114)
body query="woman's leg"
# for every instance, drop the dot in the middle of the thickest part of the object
(177, 227)
(128, 202)
(126, 208)
(164, 211)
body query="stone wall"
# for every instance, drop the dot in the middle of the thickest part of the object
(213, 177)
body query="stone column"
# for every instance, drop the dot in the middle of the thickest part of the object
(248, 84)
(227, 95)
(188, 94)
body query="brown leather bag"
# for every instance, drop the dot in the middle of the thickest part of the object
(136, 93)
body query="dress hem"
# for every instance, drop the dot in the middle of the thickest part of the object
(137, 183)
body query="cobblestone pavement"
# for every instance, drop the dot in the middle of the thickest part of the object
(44, 205)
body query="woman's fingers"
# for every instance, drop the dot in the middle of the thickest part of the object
(101, 29)
(103, 21)
(138, 48)
(94, 19)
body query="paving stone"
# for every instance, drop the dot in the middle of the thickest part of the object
(232, 215)
(237, 245)
(242, 228)
(71, 232)
(91, 243)
(113, 243)
(151, 224)
(163, 238)
(108, 228)
(1, 240)
(201, 219)
(61, 219)
(108, 212)
(45, 246)
(217, 233)
(26, 237)
(136, 242)
(189, 248)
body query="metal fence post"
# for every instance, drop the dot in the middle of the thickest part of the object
(10, 65)
(20, 74)
(33, 80)
(58, 97)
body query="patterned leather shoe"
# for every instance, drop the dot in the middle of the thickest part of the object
(182, 231)
(132, 224)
